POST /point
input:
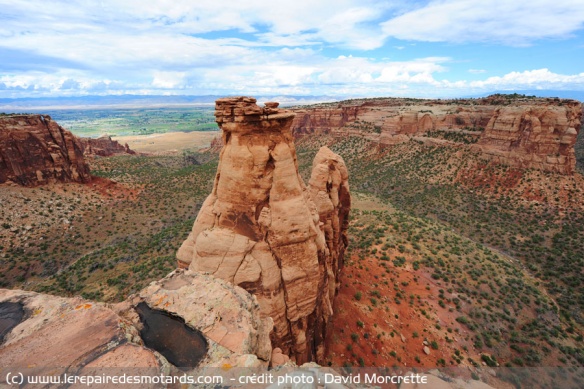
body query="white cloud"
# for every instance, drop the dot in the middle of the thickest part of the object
(284, 47)
(539, 78)
(69, 84)
(168, 80)
(503, 21)
(348, 23)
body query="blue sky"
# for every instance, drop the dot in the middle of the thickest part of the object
(353, 48)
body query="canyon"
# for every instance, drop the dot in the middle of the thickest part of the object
(261, 229)
(462, 248)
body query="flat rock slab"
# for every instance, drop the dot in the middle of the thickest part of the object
(66, 334)
(227, 315)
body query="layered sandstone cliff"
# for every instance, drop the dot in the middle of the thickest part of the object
(537, 137)
(261, 228)
(520, 132)
(385, 119)
(35, 150)
(104, 146)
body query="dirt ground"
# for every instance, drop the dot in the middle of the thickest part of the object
(171, 142)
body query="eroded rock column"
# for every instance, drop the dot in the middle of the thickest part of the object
(261, 228)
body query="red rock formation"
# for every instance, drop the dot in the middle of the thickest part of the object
(323, 120)
(537, 137)
(35, 150)
(216, 145)
(104, 146)
(388, 121)
(524, 132)
(260, 229)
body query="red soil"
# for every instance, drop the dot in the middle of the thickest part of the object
(387, 317)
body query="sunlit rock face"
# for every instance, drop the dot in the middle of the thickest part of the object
(35, 150)
(104, 146)
(537, 137)
(263, 229)
(528, 133)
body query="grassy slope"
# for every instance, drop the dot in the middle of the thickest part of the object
(116, 244)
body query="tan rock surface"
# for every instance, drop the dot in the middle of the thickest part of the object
(537, 137)
(227, 315)
(278, 358)
(260, 229)
(67, 333)
(79, 336)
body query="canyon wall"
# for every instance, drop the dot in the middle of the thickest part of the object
(537, 137)
(35, 150)
(104, 146)
(526, 132)
(263, 229)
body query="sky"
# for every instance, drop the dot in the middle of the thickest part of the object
(355, 48)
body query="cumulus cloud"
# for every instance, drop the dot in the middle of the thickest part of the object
(168, 80)
(313, 47)
(70, 84)
(503, 21)
(539, 78)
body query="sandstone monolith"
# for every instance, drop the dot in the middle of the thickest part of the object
(263, 229)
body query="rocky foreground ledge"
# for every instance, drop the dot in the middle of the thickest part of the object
(202, 322)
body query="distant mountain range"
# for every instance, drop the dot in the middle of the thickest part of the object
(19, 104)
(23, 104)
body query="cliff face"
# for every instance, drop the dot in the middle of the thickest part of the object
(35, 150)
(324, 120)
(261, 228)
(104, 146)
(529, 133)
(382, 120)
(537, 137)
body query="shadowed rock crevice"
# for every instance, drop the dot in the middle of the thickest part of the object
(181, 345)
(11, 314)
